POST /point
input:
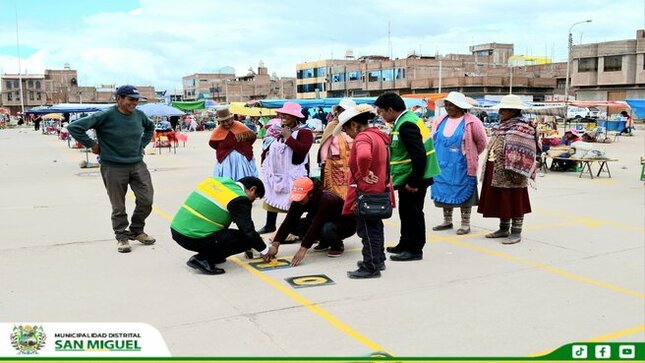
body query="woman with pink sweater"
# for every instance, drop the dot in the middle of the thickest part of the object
(459, 138)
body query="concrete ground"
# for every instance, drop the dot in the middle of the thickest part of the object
(577, 275)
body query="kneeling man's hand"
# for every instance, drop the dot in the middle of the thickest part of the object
(299, 256)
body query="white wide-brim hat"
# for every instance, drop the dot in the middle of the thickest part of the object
(350, 113)
(458, 99)
(346, 103)
(511, 102)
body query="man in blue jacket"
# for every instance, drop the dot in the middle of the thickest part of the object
(122, 132)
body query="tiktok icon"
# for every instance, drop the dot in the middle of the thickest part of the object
(579, 352)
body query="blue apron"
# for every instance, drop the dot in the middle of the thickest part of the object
(453, 185)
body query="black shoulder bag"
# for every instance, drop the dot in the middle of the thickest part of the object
(375, 205)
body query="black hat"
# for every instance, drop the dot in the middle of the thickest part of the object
(129, 91)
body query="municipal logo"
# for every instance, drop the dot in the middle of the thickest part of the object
(28, 339)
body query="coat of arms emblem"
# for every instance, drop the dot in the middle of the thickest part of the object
(28, 339)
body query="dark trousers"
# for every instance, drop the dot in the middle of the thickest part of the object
(413, 222)
(373, 237)
(116, 181)
(215, 247)
(331, 233)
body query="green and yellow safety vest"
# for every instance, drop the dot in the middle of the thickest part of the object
(205, 210)
(400, 161)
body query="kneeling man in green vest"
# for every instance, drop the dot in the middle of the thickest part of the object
(202, 223)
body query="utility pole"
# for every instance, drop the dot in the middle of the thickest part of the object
(440, 74)
(22, 98)
(570, 45)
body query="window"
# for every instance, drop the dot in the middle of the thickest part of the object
(388, 74)
(320, 72)
(338, 77)
(38, 96)
(354, 76)
(311, 87)
(560, 83)
(308, 73)
(613, 63)
(9, 84)
(38, 85)
(9, 96)
(30, 83)
(31, 95)
(17, 96)
(400, 73)
(588, 65)
(15, 84)
(374, 76)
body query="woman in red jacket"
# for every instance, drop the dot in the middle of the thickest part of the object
(368, 162)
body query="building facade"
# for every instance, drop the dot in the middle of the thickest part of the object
(226, 87)
(485, 71)
(609, 71)
(33, 91)
(54, 87)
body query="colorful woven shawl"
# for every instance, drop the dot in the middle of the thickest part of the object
(520, 147)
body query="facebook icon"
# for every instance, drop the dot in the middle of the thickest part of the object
(603, 351)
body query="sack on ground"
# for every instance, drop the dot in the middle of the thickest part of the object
(373, 205)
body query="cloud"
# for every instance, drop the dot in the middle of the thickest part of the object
(159, 41)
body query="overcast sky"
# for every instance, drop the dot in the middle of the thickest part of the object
(156, 42)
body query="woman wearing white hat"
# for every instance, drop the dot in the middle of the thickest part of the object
(459, 138)
(510, 163)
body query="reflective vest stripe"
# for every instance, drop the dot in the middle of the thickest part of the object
(201, 216)
(409, 160)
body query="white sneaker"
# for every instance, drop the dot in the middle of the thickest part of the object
(123, 246)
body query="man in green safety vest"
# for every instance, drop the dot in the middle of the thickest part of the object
(413, 164)
(202, 223)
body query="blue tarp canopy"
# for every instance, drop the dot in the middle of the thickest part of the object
(159, 109)
(67, 107)
(330, 102)
(638, 106)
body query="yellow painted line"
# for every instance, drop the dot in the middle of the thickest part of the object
(590, 221)
(602, 338)
(544, 267)
(457, 241)
(312, 307)
(618, 334)
(299, 299)
(165, 215)
(535, 227)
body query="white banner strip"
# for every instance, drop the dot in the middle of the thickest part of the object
(81, 340)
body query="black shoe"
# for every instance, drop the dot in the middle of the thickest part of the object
(322, 246)
(407, 256)
(204, 266)
(266, 229)
(442, 227)
(362, 273)
(395, 249)
(360, 264)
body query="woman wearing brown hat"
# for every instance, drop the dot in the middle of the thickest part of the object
(510, 163)
(233, 144)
